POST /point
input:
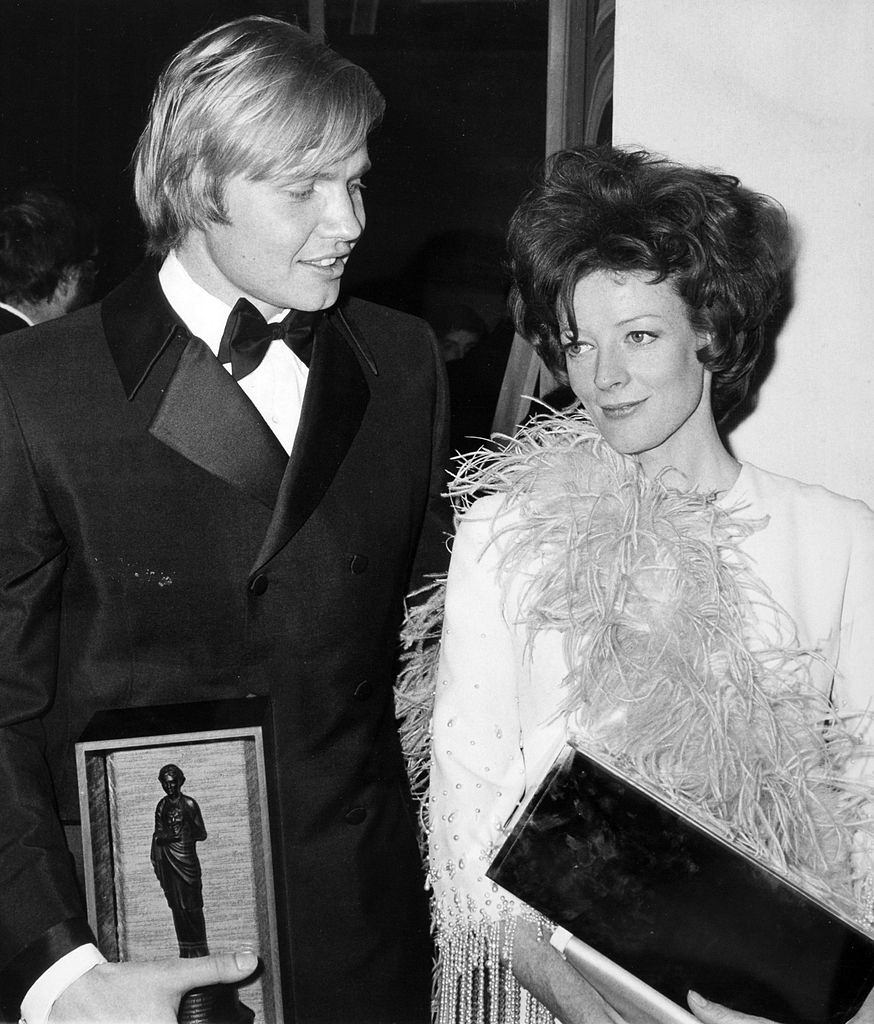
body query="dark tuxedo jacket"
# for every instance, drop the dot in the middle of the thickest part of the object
(11, 322)
(157, 545)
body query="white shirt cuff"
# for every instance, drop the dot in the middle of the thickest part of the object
(37, 1004)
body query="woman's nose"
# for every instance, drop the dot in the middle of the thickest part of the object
(610, 369)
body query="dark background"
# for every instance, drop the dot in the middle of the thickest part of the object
(464, 131)
(465, 84)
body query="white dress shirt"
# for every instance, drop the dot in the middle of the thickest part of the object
(276, 389)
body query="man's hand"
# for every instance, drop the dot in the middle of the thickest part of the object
(145, 992)
(713, 1013)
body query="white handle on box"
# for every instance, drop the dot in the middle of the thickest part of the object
(625, 992)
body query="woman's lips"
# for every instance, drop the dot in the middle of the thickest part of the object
(621, 409)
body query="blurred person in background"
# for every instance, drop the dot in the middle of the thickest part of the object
(48, 254)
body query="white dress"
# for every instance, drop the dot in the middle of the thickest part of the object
(500, 704)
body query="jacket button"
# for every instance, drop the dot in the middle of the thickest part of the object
(364, 690)
(357, 564)
(355, 815)
(258, 584)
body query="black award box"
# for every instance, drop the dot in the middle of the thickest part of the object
(677, 906)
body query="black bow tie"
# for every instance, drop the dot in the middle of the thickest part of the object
(247, 336)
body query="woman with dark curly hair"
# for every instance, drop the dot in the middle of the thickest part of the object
(620, 580)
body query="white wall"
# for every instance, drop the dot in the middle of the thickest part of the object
(780, 93)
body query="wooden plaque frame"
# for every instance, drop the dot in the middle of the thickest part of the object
(224, 749)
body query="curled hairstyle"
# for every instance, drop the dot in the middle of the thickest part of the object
(723, 248)
(256, 97)
(42, 238)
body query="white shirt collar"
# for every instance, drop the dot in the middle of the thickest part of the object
(17, 312)
(202, 313)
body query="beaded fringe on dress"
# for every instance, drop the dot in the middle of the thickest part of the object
(475, 982)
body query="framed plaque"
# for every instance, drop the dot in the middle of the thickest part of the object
(142, 886)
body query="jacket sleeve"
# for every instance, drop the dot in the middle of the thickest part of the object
(432, 554)
(41, 917)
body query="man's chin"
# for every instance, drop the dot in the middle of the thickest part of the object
(315, 299)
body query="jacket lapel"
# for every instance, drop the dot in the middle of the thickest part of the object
(205, 417)
(197, 408)
(336, 397)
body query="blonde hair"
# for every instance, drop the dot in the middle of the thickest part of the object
(256, 97)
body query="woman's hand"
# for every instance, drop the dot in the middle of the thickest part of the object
(713, 1013)
(552, 981)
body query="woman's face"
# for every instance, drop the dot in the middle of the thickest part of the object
(633, 364)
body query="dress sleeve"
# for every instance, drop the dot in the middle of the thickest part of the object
(854, 681)
(854, 675)
(477, 781)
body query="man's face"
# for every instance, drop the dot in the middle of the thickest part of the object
(284, 246)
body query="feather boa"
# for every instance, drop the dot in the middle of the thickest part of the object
(670, 675)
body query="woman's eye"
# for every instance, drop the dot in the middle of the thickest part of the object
(572, 345)
(640, 337)
(300, 195)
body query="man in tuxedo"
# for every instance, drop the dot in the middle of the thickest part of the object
(48, 249)
(206, 496)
